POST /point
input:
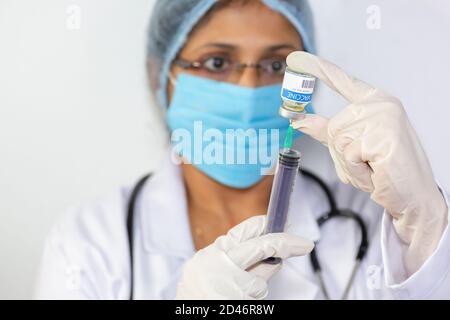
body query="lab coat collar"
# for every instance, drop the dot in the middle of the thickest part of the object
(165, 222)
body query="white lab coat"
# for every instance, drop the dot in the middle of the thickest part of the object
(86, 254)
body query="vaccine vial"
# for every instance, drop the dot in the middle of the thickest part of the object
(296, 94)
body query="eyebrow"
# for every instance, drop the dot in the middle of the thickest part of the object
(281, 46)
(219, 45)
(233, 47)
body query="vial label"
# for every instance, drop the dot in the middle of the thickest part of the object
(297, 87)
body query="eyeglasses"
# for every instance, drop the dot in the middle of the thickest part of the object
(222, 68)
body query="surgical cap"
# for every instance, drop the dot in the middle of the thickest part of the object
(173, 20)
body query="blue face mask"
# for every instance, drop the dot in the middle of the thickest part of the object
(229, 132)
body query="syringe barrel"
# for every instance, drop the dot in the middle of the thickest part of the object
(283, 184)
(282, 187)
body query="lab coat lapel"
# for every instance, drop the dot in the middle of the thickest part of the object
(165, 223)
(165, 229)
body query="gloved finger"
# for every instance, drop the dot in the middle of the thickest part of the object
(348, 148)
(281, 245)
(325, 131)
(256, 289)
(244, 285)
(338, 164)
(359, 171)
(218, 277)
(313, 125)
(265, 270)
(248, 229)
(343, 120)
(350, 88)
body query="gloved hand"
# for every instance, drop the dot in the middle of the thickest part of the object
(230, 268)
(375, 148)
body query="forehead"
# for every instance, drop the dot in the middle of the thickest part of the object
(244, 24)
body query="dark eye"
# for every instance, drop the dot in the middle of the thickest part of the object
(216, 64)
(275, 67)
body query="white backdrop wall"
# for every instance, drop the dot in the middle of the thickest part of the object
(76, 120)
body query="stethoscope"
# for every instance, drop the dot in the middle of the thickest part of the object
(334, 212)
(337, 213)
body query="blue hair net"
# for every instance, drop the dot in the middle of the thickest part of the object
(172, 21)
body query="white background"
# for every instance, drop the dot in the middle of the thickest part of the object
(76, 120)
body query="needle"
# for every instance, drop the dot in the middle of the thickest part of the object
(288, 139)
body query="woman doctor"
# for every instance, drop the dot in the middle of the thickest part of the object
(198, 227)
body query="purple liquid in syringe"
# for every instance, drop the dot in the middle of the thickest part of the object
(283, 184)
(282, 187)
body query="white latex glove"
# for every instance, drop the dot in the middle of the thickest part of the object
(375, 148)
(230, 268)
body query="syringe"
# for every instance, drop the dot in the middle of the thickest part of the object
(283, 184)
